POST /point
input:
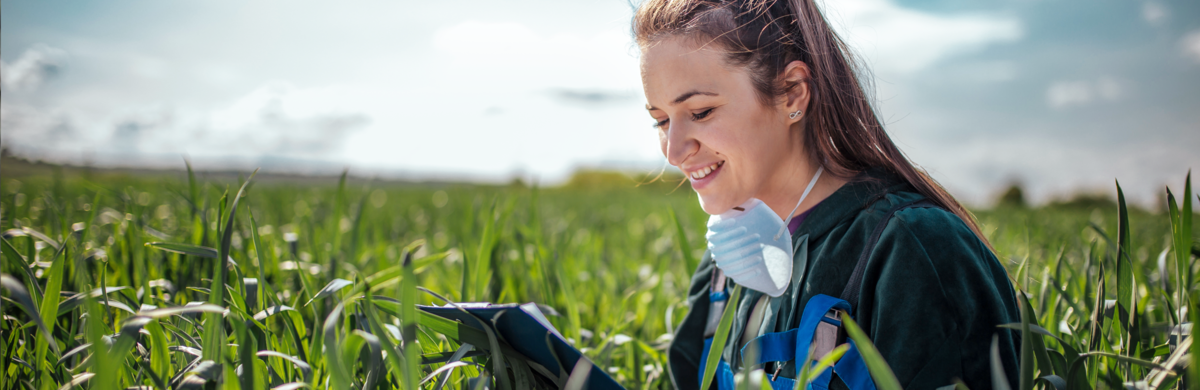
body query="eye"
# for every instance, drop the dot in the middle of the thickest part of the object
(661, 124)
(702, 114)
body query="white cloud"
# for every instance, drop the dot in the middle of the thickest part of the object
(981, 71)
(1054, 167)
(597, 59)
(28, 126)
(36, 65)
(1154, 13)
(1062, 94)
(1108, 89)
(279, 118)
(487, 41)
(1068, 93)
(901, 40)
(1191, 45)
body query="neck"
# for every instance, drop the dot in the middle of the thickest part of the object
(786, 186)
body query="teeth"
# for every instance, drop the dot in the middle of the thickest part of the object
(700, 174)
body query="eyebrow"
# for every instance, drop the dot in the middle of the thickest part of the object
(684, 97)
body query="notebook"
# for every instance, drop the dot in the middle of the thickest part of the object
(524, 328)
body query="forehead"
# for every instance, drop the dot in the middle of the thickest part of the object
(675, 65)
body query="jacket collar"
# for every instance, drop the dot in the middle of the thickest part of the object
(861, 191)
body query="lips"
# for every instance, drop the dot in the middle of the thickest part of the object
(701, 173)
(701, 177)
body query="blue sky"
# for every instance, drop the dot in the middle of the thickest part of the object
(1062, 95)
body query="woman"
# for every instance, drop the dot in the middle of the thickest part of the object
(754, 100)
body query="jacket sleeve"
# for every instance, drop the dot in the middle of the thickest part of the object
(683, 355)
(932, 298)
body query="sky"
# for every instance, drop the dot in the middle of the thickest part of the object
(1061, 96)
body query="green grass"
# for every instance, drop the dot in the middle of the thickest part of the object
(115, 281)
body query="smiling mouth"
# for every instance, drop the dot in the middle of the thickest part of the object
(704, 172)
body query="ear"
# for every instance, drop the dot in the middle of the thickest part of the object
(794, 80)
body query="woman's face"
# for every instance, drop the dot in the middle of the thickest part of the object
(712, 126)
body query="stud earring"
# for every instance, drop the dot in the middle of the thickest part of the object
(795, 114)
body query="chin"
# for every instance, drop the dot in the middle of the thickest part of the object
(714, 206)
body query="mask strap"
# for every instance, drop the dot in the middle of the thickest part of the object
(811, 183)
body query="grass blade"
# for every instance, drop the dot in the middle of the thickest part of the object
(178, 310)
(214, 331)
(409, 320)
(160, 356)
(394, 359)
(572, 308)
(1126, 287)
(304, 367)
(455, 358)
(245, 353)
(339, 375)
(1185, 233)
(1097, 330)
(373, 365)
(1027, 346)
(717, 347)
(18, 260)
(684, 246)
(18, 293)
(185, 249)
(1194, 365)
(330, 289)
(50, 301)
(999, 378)
(884, 378)
(266, 294)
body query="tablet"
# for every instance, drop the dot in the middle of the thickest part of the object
(525, 329)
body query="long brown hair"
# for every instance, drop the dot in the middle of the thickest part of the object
(842, 129)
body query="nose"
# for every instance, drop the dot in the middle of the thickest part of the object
(678, 143)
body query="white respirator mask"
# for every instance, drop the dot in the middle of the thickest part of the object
(749, 245)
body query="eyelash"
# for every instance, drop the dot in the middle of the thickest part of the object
(698, 116)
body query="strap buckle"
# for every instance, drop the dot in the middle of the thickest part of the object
(827, 335)
(718, 298)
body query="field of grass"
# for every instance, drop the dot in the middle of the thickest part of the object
(113, 281)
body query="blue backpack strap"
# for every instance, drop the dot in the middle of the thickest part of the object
(718, 298)
(853, 370)
(814, 314)
(796, 343)
(773, 347)
(724, 374)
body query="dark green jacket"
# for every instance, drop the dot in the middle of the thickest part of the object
(931, 297)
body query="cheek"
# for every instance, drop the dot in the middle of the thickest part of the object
(767, 139)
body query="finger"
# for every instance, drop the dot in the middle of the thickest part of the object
(719, 237)
(722, 224)
(743, 274)
(739, 265)
(738, 242)
(734, 253)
